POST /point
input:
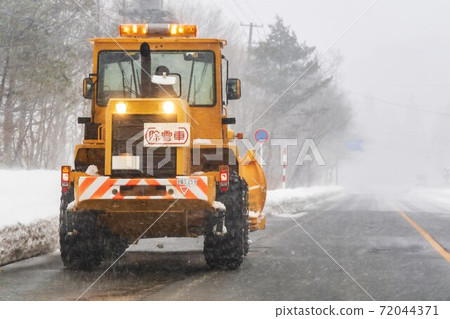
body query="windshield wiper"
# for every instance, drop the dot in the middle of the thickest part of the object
(125, 83)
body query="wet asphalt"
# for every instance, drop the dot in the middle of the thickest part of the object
(354, 247)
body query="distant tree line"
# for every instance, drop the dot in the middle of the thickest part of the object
(44, 54)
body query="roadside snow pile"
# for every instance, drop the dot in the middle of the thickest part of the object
(434, 195)
(29, 213)
(21, 241)
(293, 200)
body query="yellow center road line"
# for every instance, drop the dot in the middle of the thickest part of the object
(438, 247)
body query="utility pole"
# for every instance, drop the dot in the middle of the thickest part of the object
(284, 166)
(97, 3)
(124, 5)
(337, 170)
(250, 34)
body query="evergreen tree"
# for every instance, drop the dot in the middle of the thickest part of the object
(278, 62)
(312, 108)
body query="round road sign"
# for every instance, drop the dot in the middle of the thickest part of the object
(261, 136)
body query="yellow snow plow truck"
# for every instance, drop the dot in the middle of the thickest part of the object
(158, 157)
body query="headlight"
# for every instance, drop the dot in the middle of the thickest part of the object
(121, 108)
(168, 107)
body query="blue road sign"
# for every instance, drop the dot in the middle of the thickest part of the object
(355, 145)
(261, 136)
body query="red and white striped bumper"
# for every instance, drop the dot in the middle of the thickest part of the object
(177, 194)
(105, 188)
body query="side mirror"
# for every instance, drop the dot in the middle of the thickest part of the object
(88, 88)
(233, 89)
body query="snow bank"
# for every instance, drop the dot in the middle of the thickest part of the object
(27, 196)
(21, 241)
(29, 213)
(438, 196)
(293, 200)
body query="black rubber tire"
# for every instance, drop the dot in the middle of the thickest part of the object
(228, 251)
(113, 245)
(66, 198)
(246, 221)
(79, 237)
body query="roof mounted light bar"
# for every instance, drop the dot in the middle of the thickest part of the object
(157, 30)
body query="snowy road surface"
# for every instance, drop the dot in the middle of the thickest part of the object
(29, 227)
(380, 241)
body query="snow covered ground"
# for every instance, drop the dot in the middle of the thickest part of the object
(428, 199)
(29, 213)
(27, 196)
(294, 200)
(436, 195)
(30, 208)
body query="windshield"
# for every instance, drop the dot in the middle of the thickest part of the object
(120, 76)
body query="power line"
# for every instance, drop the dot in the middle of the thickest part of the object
(242, 11)
(249, 6)
(316, 61)
(254, 12)
(405, 134)
(414, 108)
(390, 85)
(231, 9)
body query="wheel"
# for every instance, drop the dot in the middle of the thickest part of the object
(113, 245)
(228, 251)
(79, 237)
(246, 221)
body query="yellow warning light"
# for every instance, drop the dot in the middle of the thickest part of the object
(133, 30)
(183, 30)
(158, 30)
(65, 169)
(173, 29)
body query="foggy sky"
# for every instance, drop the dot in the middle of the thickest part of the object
(399, 52)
